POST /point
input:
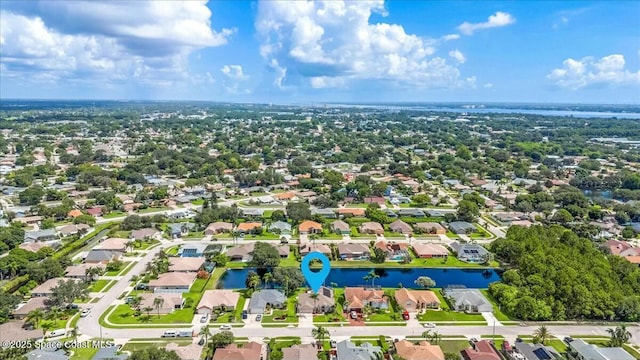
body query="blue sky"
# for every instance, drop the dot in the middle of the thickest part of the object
(305, 51)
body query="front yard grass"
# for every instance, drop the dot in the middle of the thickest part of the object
(116, 272)
(496, 309)
(443, 315)
(453, 346)
(114, 214)
(123, 314)
(98, 285)
(287, 315)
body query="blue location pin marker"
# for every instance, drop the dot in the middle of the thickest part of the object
(315, 279)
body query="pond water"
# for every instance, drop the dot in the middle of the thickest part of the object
(594, 194)
(389, 277)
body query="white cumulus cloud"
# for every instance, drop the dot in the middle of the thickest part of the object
(458, 56)
(235, 75)
(149, 41)
(498, 19)
(609, 70)
(333, 43)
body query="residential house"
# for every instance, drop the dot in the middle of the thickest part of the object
(300, 352)
(249, 351)
(471, 253)
(621, 248)
(581, 350)
(102, 256)
(249, 228)
(218, 227)
(374, 200)
(73, 229)
(415, 300)
(355, 212)
(262, 299)
(467, 300)
(285, 196)
(401, 227)
(45, 289)
(113, 244)
(280, 227)
(356, 298)
(23, 310)
(393, 251)
(94, 211)
(18, 331)
(325, 303)
(371, 227)
(436, 213)
(216, 299)
(411, 213)
(35, 246)
(241, 252)
(309, 227)
(47, 352)
(353, 251)
(184, 352)
(28, 220)
(340, 227)
(186, 264)
(528, 351)
(346, 350)
(429, 250)
(390, 213)
(306, 248)
(462, 227)
(192, 250)
(46, 235)
(325, 213)
(146, 234)
(74, 213)
(252, 213)
(173, 282)
(423, 350)
(430, 228)
(170, 302)
(481, 350)
(80, 271)
(177, 230)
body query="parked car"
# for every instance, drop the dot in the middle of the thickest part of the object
(429, 325)
(405, 315)
(170, 333)
(225, 327)
(354, 315)
(245, 315)
(204, 318)
(568, 339)
(201, 341)
(85, 312)
(332, 343)
(142, 287)
(259, 317)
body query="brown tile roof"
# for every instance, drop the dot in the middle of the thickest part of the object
(351, 211)
(186, 352)
(422, 351)
(429, 249)
(358, 296)
(249, 351)
(14, 331)
(32, 304)
(173, 279)
(117, 244)
(306, 248)
(340, 225)
(308, 225)
(371, 227)
(79, 270)
(45, 288)
(401, 227)
(248, 226)
(416, 296)
(32, 246)
(431, 226)
(74, 213)
(215, 298)
(170, 300)
(186, 263)
(284, 196)
(483, 351)
(300, 352)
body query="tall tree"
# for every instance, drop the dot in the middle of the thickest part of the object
(425, 282)
(319, 333)
(619, 336)
(157, 303)
(264, 256)
(541, 335)
(371, 276)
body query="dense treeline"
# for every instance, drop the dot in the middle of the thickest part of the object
(557, 275)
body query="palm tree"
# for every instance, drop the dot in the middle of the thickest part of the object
(34, 316)
(426, 335)
(541, 335)
(253, 281)
(135, 303)
(74, 333)
(53, 313)
(619, 335)
(204, 331)
(148, 309)
(267, 278)
(371, 276)
(436, 337)
(157, 303)
(45, 327)
(129, 245)
(377, 356)
(319, 333)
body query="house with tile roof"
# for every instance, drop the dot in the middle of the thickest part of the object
(415, 300)
(371, 227)
(216, 299)
(353, 251)
(325, 302)
(422, 350)
(300, 352)
(356, 298)
(249, 351)
(309, 227)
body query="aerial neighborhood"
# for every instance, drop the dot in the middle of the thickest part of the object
(449, 236)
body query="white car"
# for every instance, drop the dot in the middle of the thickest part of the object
(225, 327)
(429, 325)
(85, 312)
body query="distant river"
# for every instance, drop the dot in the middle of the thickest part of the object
(389, 277)
(577, 114)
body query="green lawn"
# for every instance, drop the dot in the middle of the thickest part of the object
(153, 209)
(453, 346)
(145, 244)
(114, 214)
(197, 202)
(87, 353)
(172, 250)
(362, 206)
(557, 344)
(98, 285)
(198, 285)
(55, 324)
(328, 318)
(435, 315)
(289, 314)
(115, 273)
(215, 276)
(133, 346)
(240, 306)
(289, 261)
(123, 314)
(123, 234)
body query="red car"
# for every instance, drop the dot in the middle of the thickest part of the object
(405, 315)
